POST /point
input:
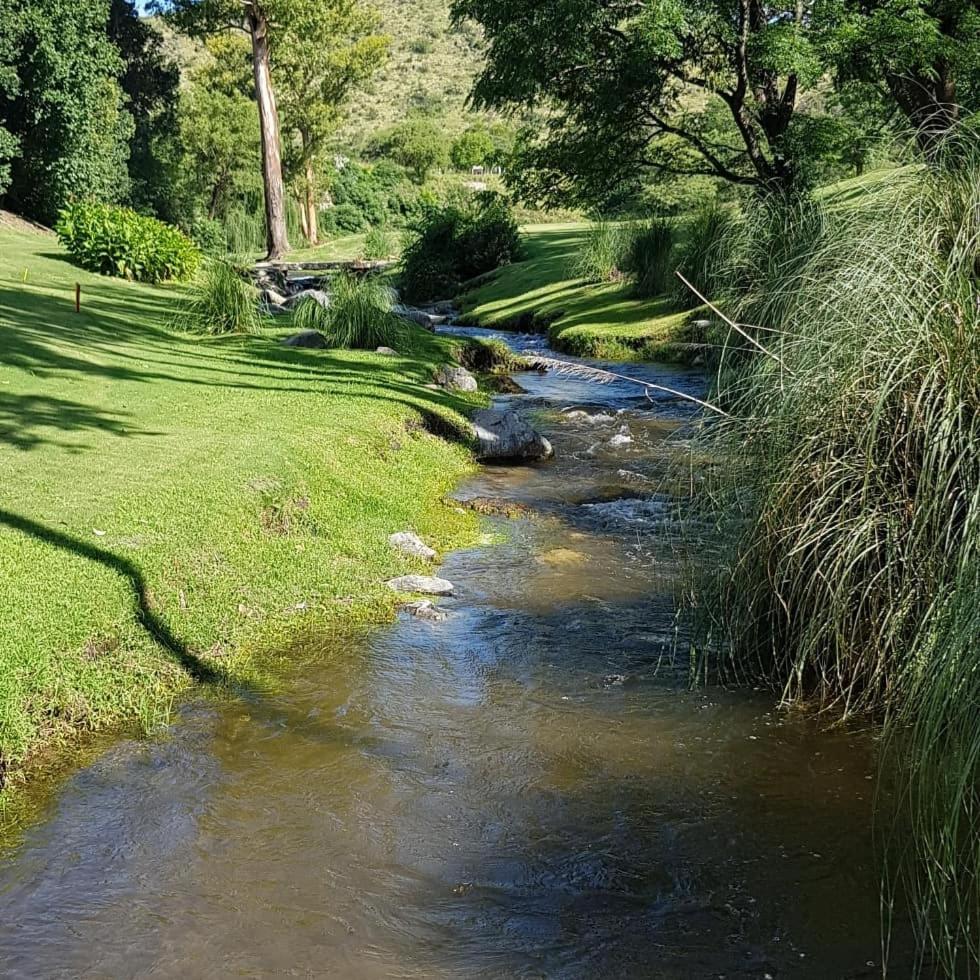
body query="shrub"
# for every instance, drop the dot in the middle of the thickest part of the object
(648, 260)
(601, 258)
(472, 148)
(344, 218)
(220, 301)
(416, 144)
(454, 243)
(361, 314)
(209, 236)
(119, 242)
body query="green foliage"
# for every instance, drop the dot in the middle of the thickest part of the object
(848, 491)
(649, 258)
(924, 54)
(59, 96)
(454, 243)
(344, 219)
(220, 301)
(611, 74)
(416, 144)
(360, 316)
(116, 241)
(704, 253)
(380, 243)
(9, 147)
(472, 148)
(601, 257)
(219, 133)
(150, 80)
(378, 194)
(209, 236)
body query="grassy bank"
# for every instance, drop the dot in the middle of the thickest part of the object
(173, 506)
(589, 320)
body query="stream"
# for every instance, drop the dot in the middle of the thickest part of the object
(530, 788)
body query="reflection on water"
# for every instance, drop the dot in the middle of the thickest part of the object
(527, 789)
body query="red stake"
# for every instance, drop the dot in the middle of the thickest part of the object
(78, 297)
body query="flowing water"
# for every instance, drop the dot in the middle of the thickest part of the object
(527, 789)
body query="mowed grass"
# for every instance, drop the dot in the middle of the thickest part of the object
(173, 506)
(604, 321)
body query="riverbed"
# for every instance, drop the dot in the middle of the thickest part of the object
(530, 788)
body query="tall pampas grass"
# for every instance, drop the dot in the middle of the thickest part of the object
(849, 499)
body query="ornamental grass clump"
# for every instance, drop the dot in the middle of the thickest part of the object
(849, 491)
(648, 260)
(602, 256)
(361, 314)
(220, 301)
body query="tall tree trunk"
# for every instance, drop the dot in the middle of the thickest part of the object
(312, 231)
(275, 195)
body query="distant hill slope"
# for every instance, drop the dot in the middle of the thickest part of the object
(431, 68)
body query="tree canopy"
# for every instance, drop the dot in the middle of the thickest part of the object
(61, 101)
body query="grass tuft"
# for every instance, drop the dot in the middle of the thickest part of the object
(220, 301)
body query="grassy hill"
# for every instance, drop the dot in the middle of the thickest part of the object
(431, 68)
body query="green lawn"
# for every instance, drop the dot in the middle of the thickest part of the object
(586, 319)
(173, 506)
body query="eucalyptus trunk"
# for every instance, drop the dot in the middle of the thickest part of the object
(277, 242)
(310, 203)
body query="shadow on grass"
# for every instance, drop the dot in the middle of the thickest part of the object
(154, 626)
(24, 420)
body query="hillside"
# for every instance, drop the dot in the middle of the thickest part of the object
(431, 68)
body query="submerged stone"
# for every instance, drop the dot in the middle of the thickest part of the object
(424, 609)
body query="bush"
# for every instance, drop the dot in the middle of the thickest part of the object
(361, 314)
(344, 218)
(119, 242)
(648, 260)
(601, 259)
(417, 144)
(209, 236)
(220, 301)
(455, 243)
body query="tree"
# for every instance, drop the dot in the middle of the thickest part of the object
(219, 129)
(257, 19)
(617, 76)
(60, 99)
(9, 85)
(321, 56)
(472, 148)
(925, 54)
(416, 144)
(150, 81)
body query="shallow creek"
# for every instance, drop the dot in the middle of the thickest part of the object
(527, 789)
